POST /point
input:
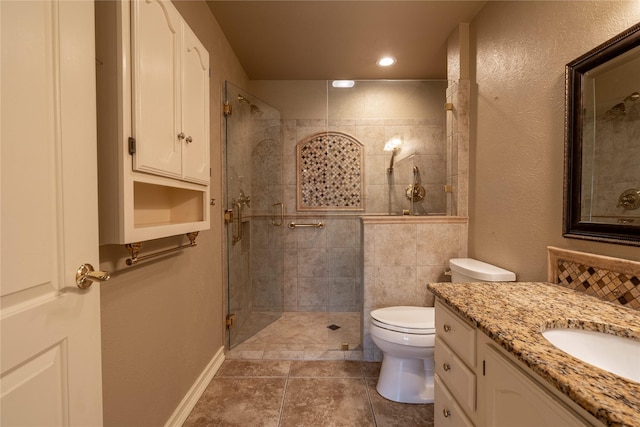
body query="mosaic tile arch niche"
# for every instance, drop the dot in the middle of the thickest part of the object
(330, 172)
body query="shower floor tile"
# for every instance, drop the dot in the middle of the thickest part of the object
(301, 393)
(305, 336)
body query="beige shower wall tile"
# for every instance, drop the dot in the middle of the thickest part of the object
(372, 135)
(312, 292)
(368, 246)
(375, 166)
(343, 233)
(395, 245)
(376, 198)
(438, 243)
(395, 286)
(312, 263)
(342, 262)
(310, 237)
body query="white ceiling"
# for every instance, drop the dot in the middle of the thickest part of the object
(317, 40)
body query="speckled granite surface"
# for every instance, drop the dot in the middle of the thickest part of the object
(514, 314)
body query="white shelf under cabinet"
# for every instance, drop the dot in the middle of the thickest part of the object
(138, 204)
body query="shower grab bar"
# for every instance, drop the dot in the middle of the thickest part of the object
(134, 250)
(273, 221)
(293, 225)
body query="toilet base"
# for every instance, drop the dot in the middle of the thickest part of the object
(406, 380)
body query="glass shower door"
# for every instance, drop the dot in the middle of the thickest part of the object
(254, 193)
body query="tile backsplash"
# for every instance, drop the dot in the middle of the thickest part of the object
(610, 279)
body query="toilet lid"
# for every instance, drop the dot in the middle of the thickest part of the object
(416, 319)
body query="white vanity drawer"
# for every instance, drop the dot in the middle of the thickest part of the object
(446, 411)
(460, 380)
(457, 333)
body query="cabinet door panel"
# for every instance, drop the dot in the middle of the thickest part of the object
(512, 399)
(195, 108)
(156, 87)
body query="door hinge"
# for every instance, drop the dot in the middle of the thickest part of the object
(226, 108)
(231, 320)
(132, 145)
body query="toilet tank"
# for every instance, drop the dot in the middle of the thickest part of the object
(471, 270)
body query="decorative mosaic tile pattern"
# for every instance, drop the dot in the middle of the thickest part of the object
(604, 284)
(330, 172)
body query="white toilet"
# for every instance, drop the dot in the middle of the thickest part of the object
(406, 337)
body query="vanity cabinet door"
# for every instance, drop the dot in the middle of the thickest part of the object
(155, 52)
(513, 399)
(195, 108)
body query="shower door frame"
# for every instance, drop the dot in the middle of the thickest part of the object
(259, 251)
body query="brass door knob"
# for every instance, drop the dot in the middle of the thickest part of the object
(86, 275)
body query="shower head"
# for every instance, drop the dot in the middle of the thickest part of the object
(618, 110)
(252, 107)
(633, 97)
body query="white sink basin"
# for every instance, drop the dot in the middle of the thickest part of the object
(618, 355)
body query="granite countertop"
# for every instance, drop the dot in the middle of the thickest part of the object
(514, 314)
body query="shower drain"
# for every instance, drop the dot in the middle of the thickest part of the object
(333, 327)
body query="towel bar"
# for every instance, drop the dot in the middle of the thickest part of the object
(293, 225)
(134, 250)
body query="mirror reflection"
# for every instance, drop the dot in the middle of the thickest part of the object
(602, 146)
(611, 142)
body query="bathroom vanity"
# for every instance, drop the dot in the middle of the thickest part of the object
(494, 367)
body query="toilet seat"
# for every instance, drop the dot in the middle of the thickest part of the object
(405, 319)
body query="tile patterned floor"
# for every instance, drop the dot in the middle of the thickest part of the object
(299, 393)
(305, 336)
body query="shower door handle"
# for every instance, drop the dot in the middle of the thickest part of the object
(273, 221)
(237, 236)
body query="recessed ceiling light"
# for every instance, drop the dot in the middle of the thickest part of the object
(343, 83)
(386, 61)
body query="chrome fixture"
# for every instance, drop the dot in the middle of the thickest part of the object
(392, 145)
(415, 192)
(86, 275)
(252, 107)
(238, 205)
(278, 222)
(134, 250)
(293, 225)
(620, 109)
(630, 199)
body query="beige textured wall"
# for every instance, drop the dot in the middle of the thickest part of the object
(518, 51)
(162, 321)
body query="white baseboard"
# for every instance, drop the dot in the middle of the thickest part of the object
(191, 398)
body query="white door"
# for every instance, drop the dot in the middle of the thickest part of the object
(50, 342)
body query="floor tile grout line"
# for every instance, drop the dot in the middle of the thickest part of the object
(284, 395)
(366, 388)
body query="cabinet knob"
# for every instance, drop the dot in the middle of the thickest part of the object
(446, 367)
(447, 328)
(181, 136)
(446, 413)
(189, 140)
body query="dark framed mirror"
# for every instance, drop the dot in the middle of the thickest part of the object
(602, 142)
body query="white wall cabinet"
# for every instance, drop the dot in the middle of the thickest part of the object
(479, 384)
(153, 123)
(170, 94)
